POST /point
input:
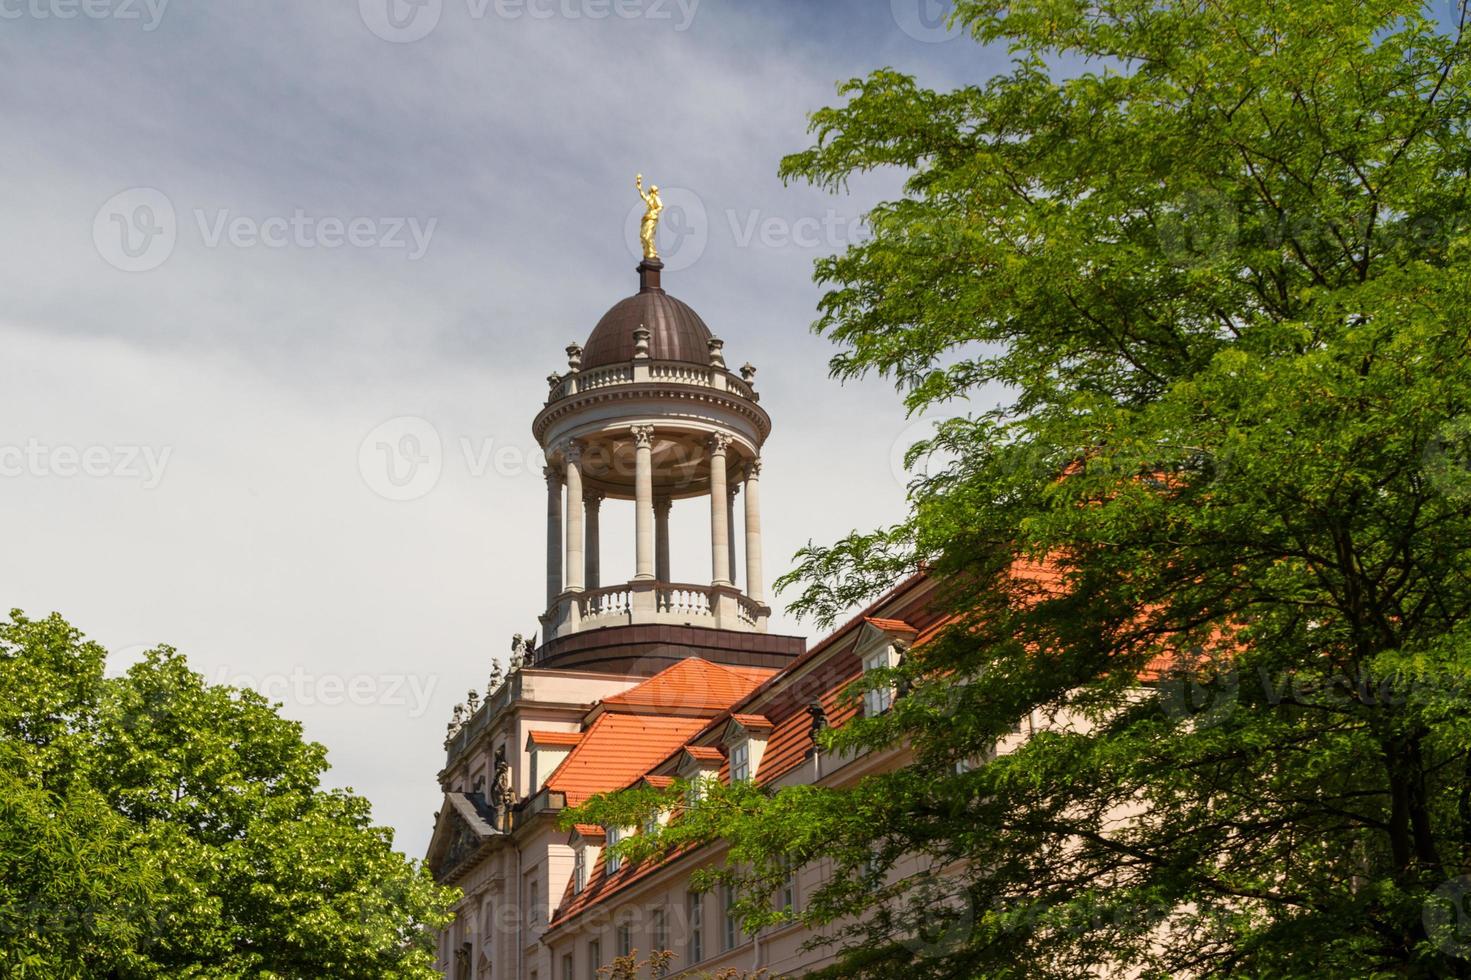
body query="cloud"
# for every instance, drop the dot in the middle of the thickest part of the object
(261, 367)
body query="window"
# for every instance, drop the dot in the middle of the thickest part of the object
(697, 927)
(594, 959)
(878, 700)
(789, 888)
(568, 968)
(872, 867)
(732, 924)
(625, 939)
(740, 761)
(533, 903)
(659, 930)
(535, 779)
(975, 761)
(615, 861)
(692, 795)
(579, 869)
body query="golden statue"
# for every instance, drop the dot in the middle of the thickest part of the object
(649, 226)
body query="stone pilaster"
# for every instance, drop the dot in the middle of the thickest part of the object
(573, 565)
(554, 534)
(719, 511)
(755, 588)
(643, 482)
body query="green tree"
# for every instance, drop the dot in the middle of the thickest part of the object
(1216, 254)
(152, 825)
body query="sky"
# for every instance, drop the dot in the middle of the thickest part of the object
(242, 246)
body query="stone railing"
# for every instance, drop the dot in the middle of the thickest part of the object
(749, 610)
(671, 603)
(613, 603)
(640, 371)
(681, 374)
(617, 374)
(683, 600)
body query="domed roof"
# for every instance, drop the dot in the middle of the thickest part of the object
(676, 332)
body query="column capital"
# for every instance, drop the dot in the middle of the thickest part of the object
(719, 443)
(753, 468)
(572, 452)
(643, 435)
(593, 498)
(662, 505)
(553, 475)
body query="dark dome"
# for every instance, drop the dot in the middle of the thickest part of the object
(676, 332)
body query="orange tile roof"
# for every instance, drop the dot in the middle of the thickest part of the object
(787, 746)
(602, 885)
(616, 749)
(754, 674)
(790, 723)
(554, 738)
(753, 723)
(704, 753)
(890, 625)
(589, 830)
(690, 686)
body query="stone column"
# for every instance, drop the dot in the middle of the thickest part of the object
(554, 534)
(592, 504)
(730, 530)
(662, 506)
(574, 562)
(643, 498)
(719, 510)
(754, 585)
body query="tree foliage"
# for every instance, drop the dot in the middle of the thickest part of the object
(1217, 255)
(152, 825)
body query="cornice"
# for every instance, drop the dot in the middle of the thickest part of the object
(574, 404)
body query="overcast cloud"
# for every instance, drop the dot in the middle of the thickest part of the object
(237, 239)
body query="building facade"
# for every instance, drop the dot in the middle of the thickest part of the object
(639, 678)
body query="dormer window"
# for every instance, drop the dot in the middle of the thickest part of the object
(547, 751)
(701, 764)
(877, 700)
(881, 644)
(740, 762)
(579, 870)
(658, 817)
(586, 839)
(745, 740)
(615, 861)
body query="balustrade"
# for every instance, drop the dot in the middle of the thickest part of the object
(683, 600)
